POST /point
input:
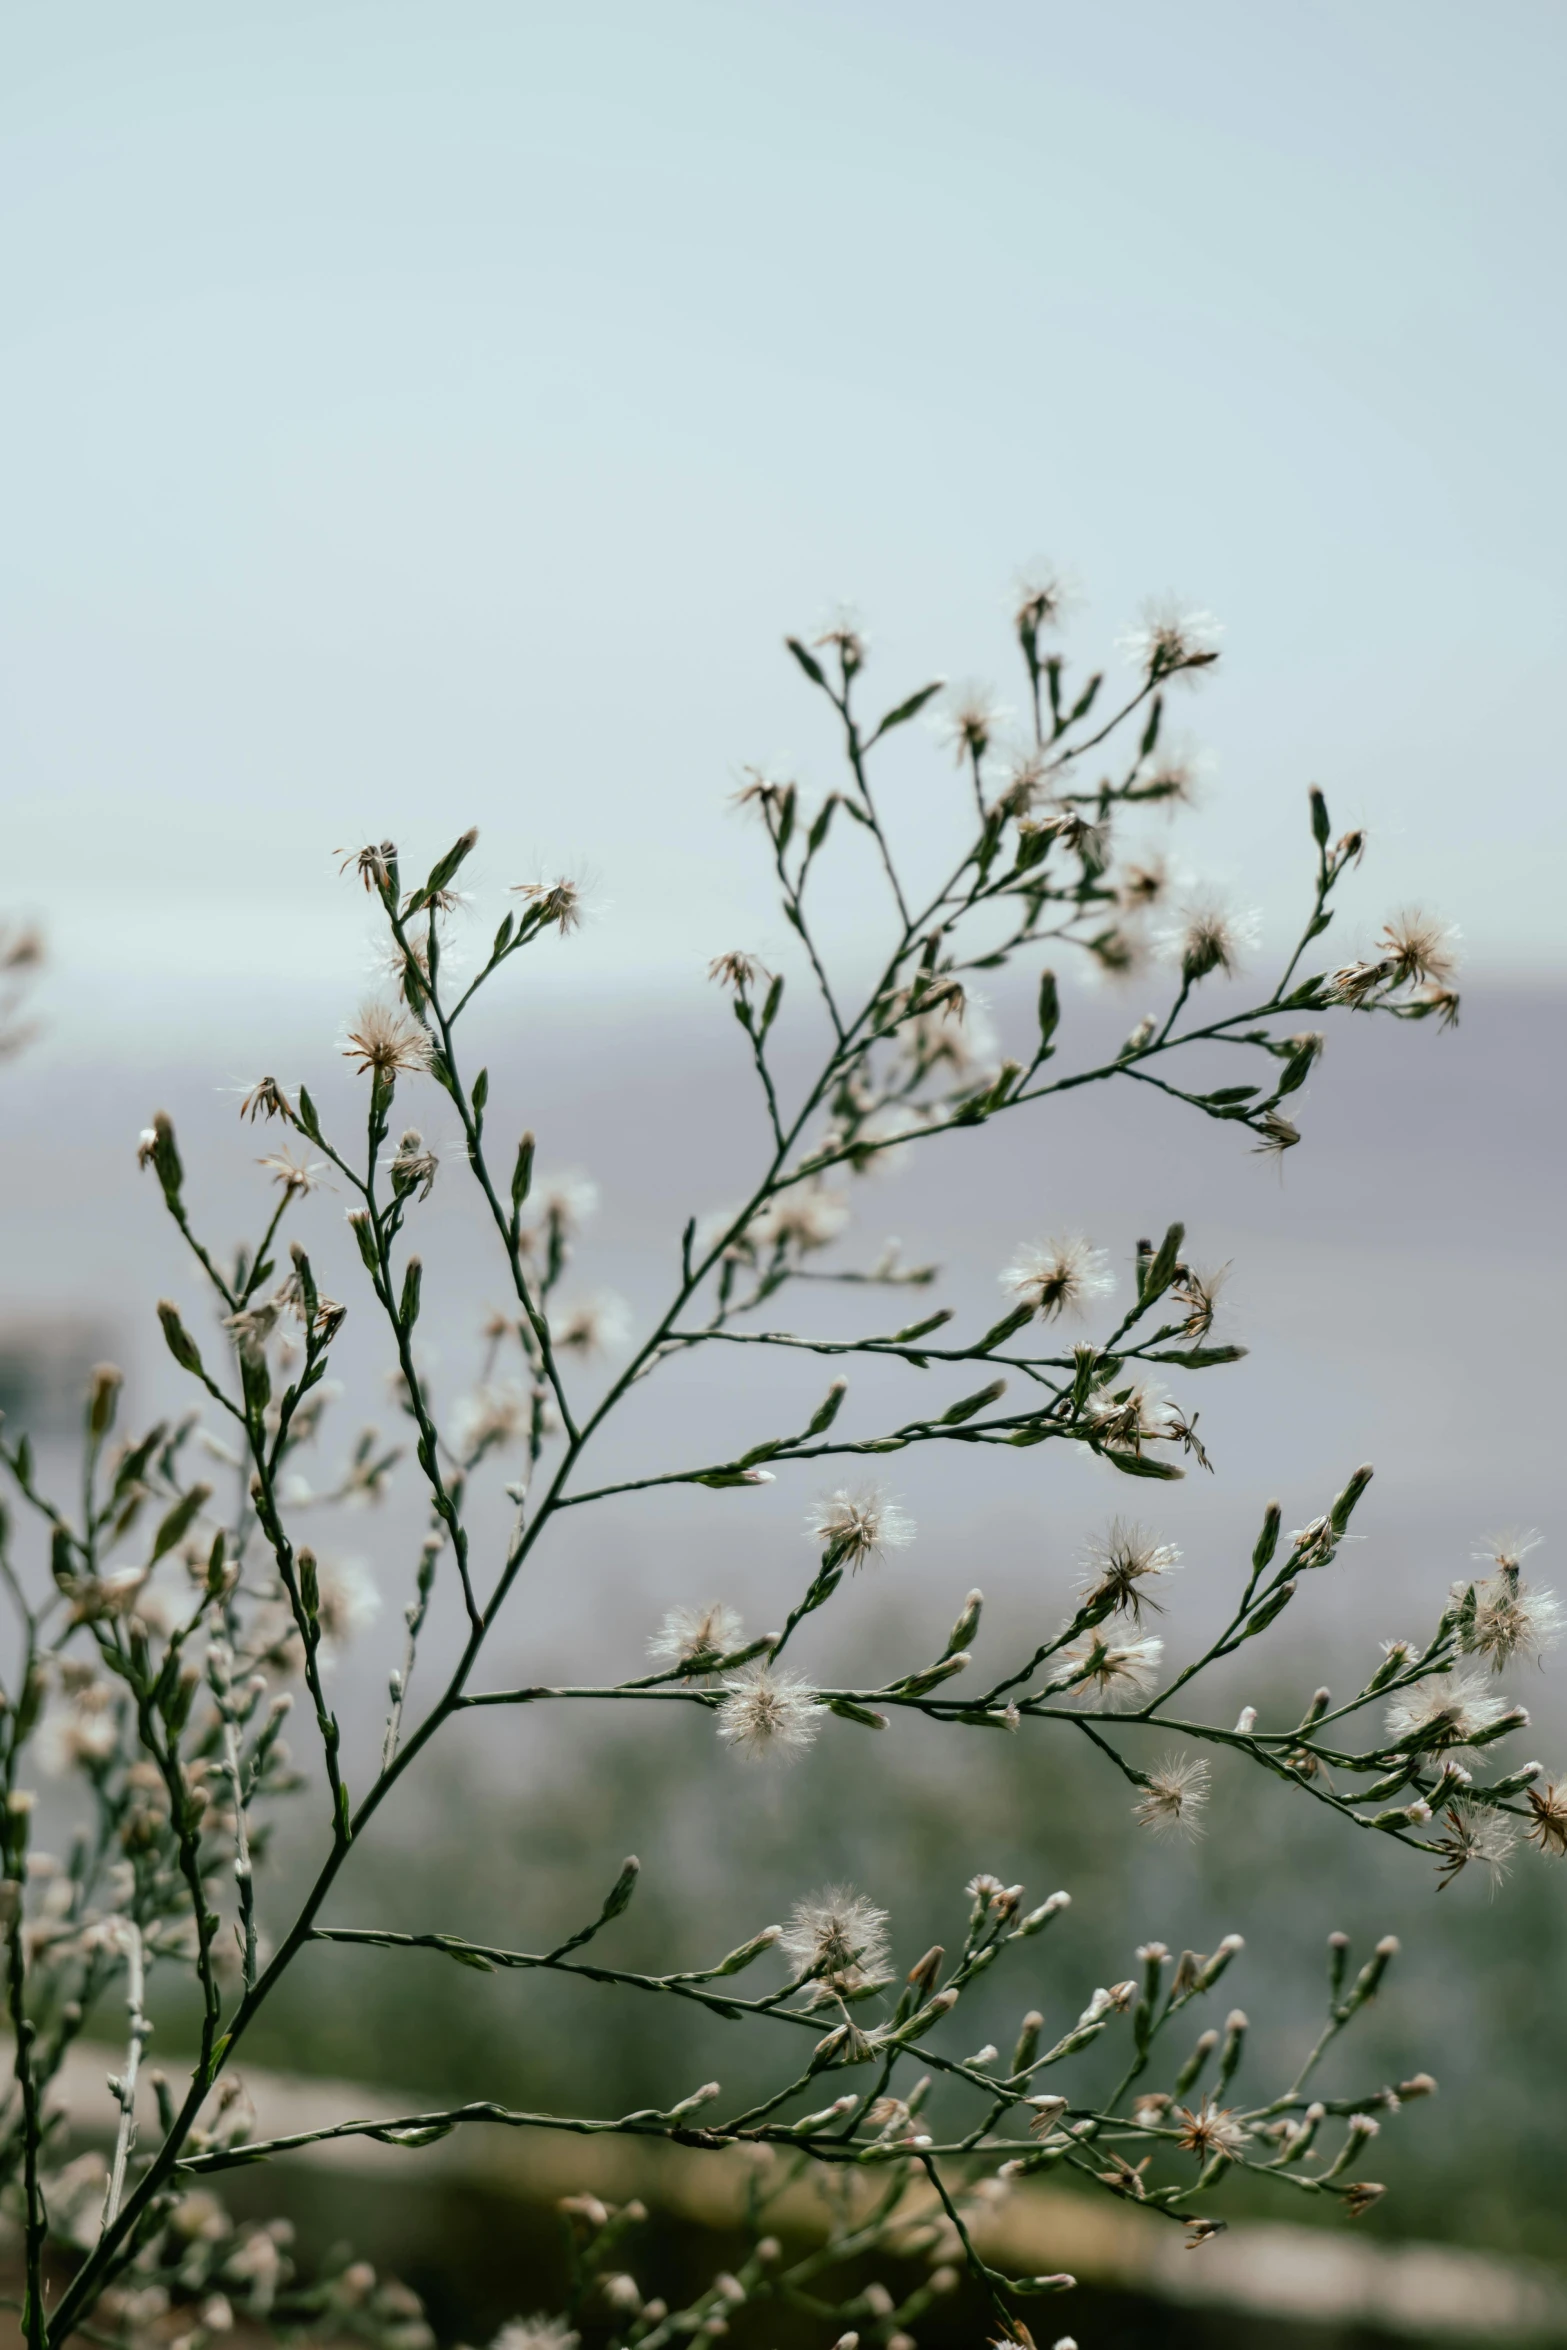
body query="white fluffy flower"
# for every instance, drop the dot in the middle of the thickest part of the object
(1449, 1709)
(842, 1938)
(1172, 1801)
(1058, 1277)
(854, 1527)
(693, 1637)
(767, 1712)
(1109, 1671)
(592, 1325)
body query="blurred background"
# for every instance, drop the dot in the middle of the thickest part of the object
(417, 418)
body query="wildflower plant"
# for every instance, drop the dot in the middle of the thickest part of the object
(167, 1631)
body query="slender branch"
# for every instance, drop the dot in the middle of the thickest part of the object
(125, 2089)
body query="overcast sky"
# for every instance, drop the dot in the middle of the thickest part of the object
(415, 416)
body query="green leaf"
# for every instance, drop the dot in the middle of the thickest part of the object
(808, 662)
(178, 1520)
(907, 710)
(1136, 1464)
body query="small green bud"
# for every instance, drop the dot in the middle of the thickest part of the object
(103, 1395)
(828, 1409)
(522, 1173)
(180, 1343)
(963, 1631)
(1027, 2047)
(1049, 1013)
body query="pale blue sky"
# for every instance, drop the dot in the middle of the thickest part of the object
(416, 415)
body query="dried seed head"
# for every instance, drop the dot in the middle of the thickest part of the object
(840, 1938)
(1511, 1620)
(536, 2333)
(1041, 598)
(1208, 936)
(1419, 947)
(1059, 1277)
(1275, 1134)
(1447, 1710)
(414, 1166)
(488, 1418)
(1120, 1563)
(806, 1217)
(1171, 1803)
(563, 1203)
(1143, 884)
(1109, 1671)
(1473, 1832)
(348, 1600)
(971, 720)
(1548, 1818)
(1171, 639)
(387, 1044)
(593, 1325)
(1124, 1419)
(843, 631)
(1208, 2129)
(854, 1527)
(766, 1712)
(297, 1175)
(1199, 1292)
(557, 903)
(694, 1638)
(1174, 779)
(372, 864)
(738, 971)
(265, 1099)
